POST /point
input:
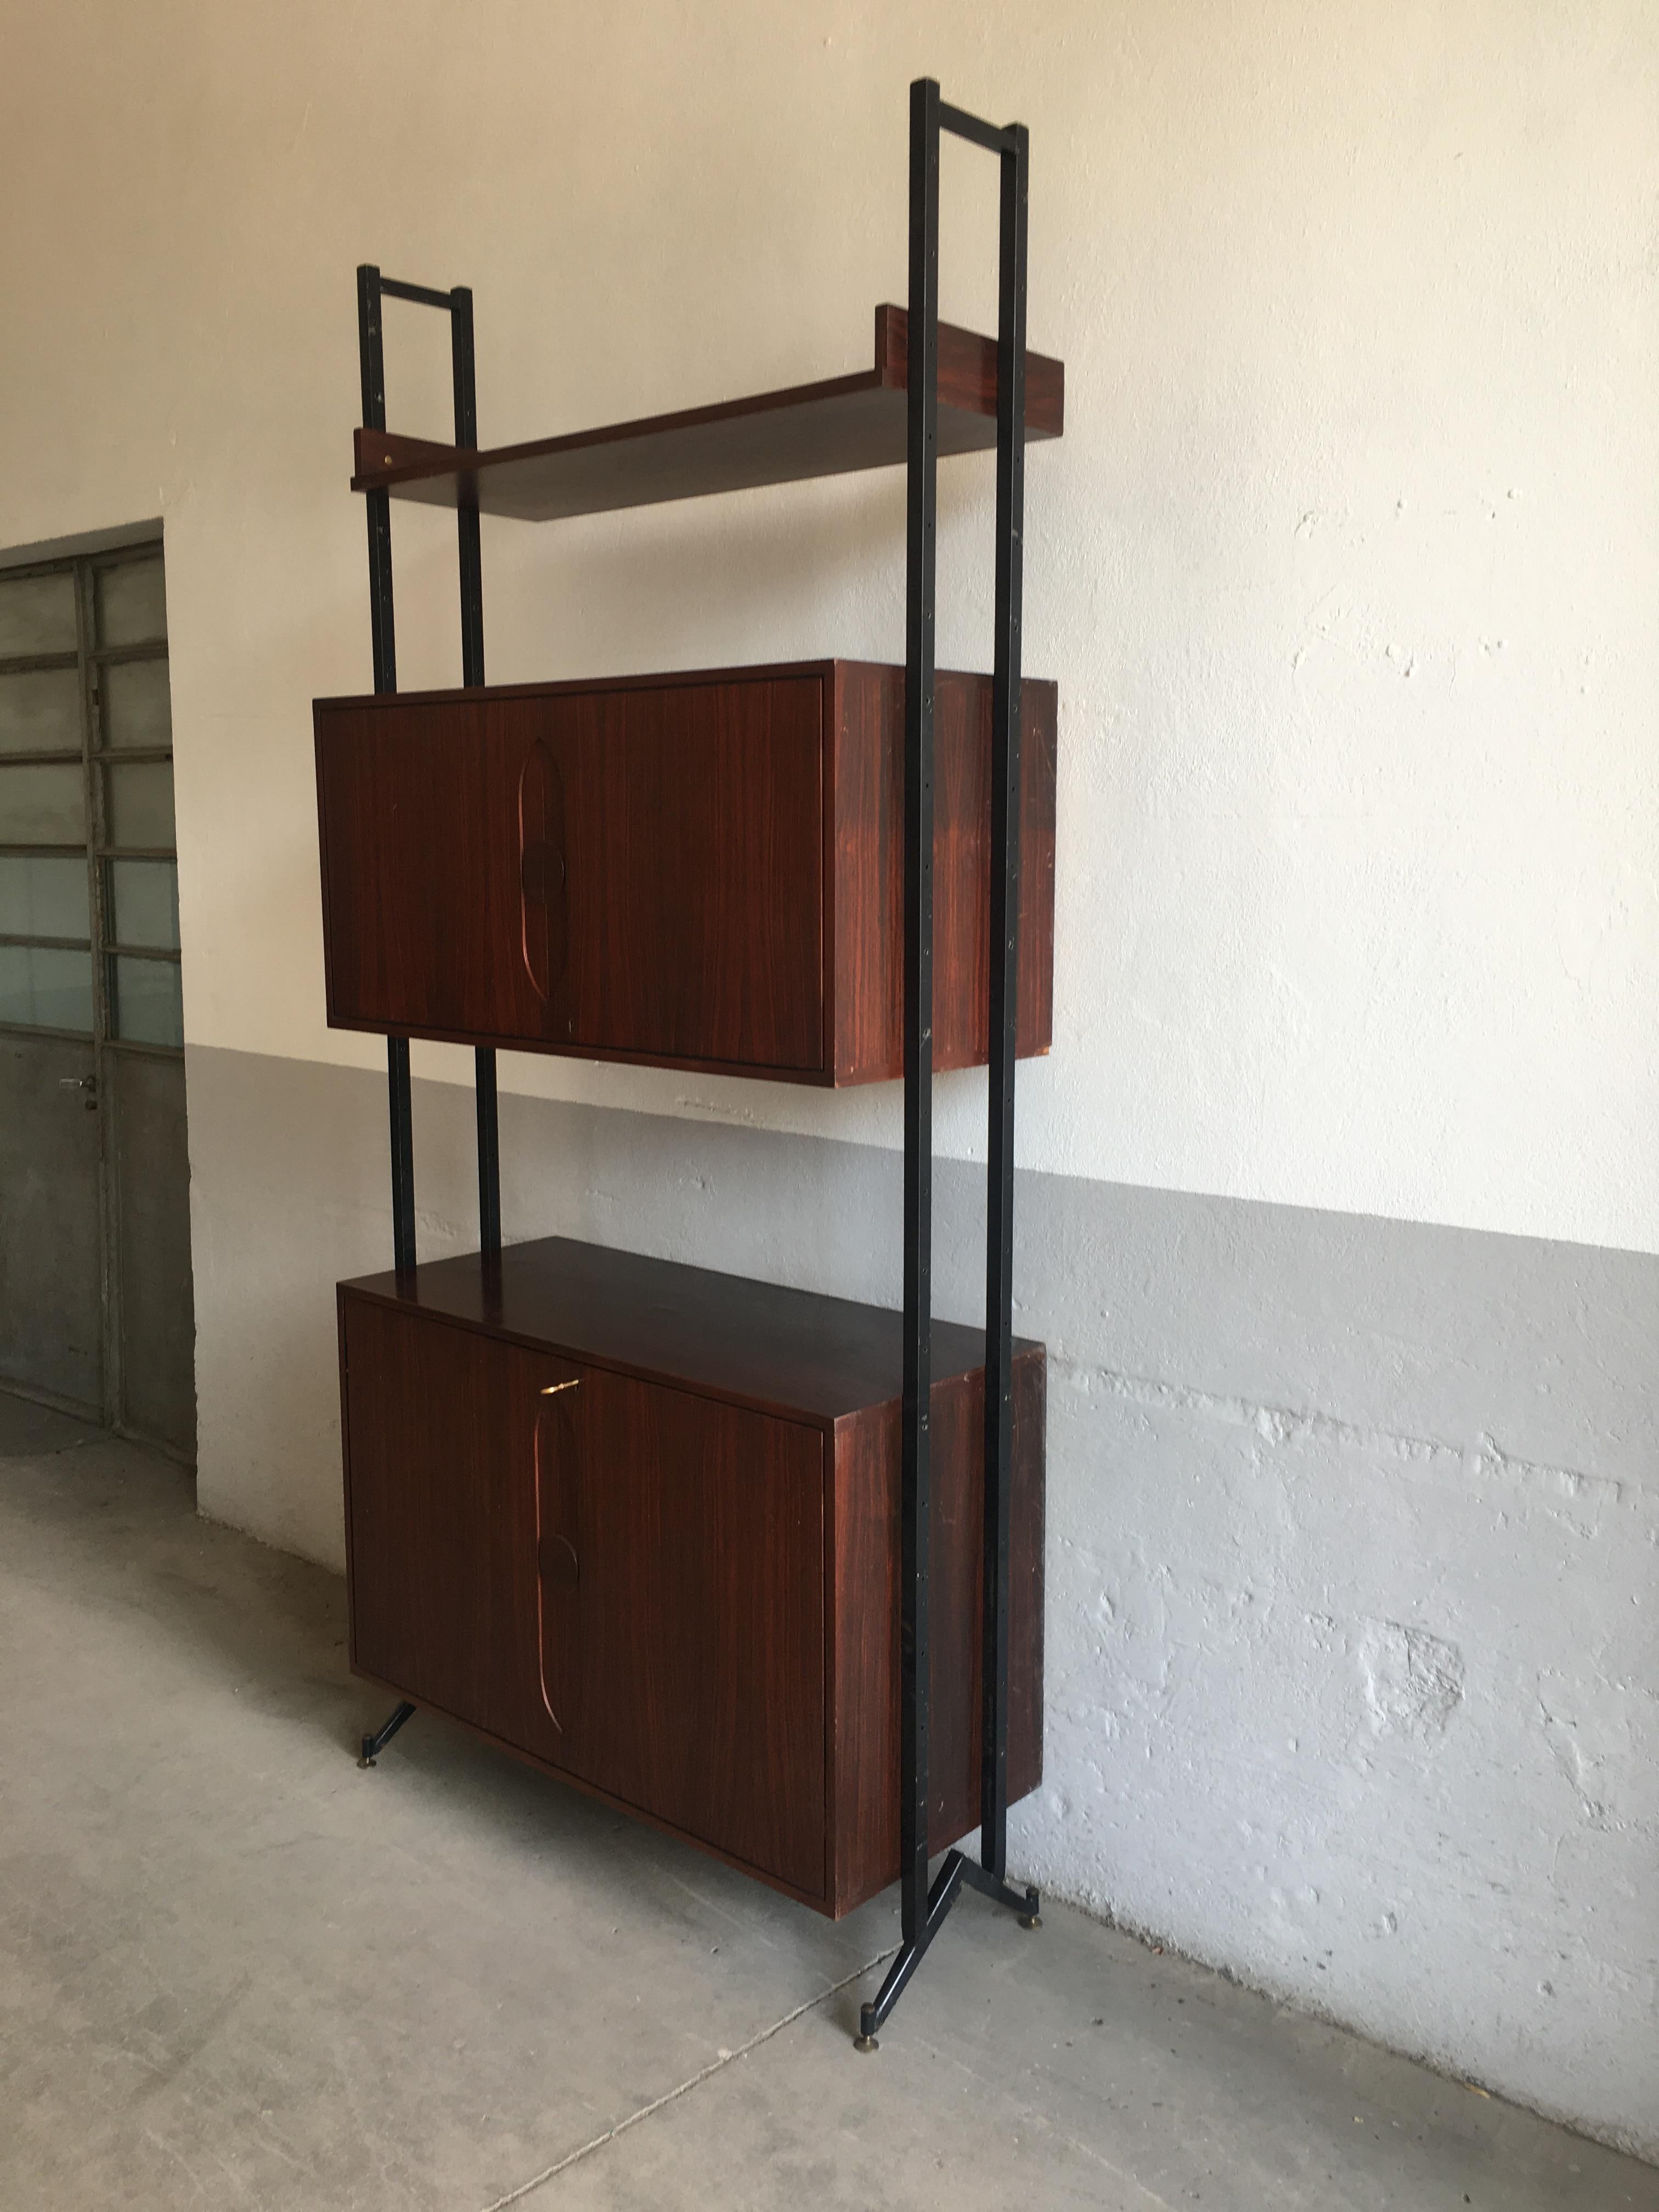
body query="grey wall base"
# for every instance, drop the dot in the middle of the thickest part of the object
(1353, 1617)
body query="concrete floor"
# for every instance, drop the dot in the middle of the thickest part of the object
(236, 1971)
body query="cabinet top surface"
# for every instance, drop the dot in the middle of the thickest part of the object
(791, 1351)
(657, 680)
(828, 428)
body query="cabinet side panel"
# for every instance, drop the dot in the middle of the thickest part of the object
(962, 870)
(867, 863)
(869, 823)
(1039, 770)
(340, 1303)
(865, 1817)
(1027, 1537)
(956, 1550)
(865, 1719)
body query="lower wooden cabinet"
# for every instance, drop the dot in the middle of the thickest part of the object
(638, 1524)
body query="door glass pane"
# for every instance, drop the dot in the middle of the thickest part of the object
(138, 804)
(40, 711)
(44, 898)
(137, 710)
(147, 1006)
(131, 600)
(144, 901)
(46, 988)
(37, 615)
(43, 805)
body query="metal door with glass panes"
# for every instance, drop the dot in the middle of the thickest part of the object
(96, 1311)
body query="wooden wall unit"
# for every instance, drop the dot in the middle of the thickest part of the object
(696, 870)
(649, 1527)
(639, 1523)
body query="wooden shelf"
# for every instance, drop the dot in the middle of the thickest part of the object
(825, 429)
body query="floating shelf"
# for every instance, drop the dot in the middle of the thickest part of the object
(826, 429)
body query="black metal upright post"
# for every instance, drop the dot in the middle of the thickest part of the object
(372, 286)
(923, 1909)
(371, 353)
(472, 671)
(466, 509)
(922, 457)
(1005, 998)
(919, 1913)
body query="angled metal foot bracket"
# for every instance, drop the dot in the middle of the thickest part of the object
(957, 1874)
(373, 1745)
(926, 1907)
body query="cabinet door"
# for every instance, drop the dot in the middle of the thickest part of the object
(622, 1579)
(428, 834)
(636, 874)
(441, 1516)
(695, 827)
(682, 1651)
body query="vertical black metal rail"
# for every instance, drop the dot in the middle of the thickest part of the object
(371, 353)
(472, 671)
(1005, 1004)
(923, 1909)
(372, 286)
(921, 521)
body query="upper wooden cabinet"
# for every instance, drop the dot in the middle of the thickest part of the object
(696, 870)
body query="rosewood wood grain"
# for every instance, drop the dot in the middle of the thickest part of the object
(827, 428)
(694, 829)
(867, 784)
(628, 873)
(795, 1352)
(698, 870)
(439, 1432)
(865, 1670)
(679, 1598)
(694, 1657)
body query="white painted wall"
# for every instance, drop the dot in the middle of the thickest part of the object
(1347, 569)
(1347, 566)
